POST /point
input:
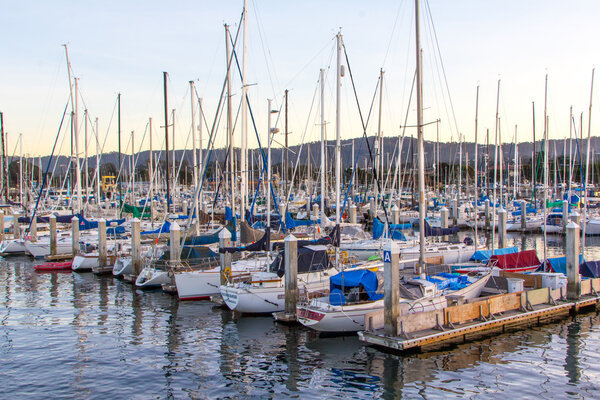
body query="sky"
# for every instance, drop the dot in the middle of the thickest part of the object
(124, 47)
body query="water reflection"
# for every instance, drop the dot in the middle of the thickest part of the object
(76, 332)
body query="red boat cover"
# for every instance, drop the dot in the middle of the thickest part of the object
(521, 259)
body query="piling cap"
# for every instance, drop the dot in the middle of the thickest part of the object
(224, 234)
(444, 209)
(175, 226)
(501, 211)
(572, 225)
(392, 247)
(135, 220)
(290, 238)
(395, 208)
(102, 220)
(75, 219)
(52, 216)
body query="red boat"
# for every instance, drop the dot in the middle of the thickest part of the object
(54, 266)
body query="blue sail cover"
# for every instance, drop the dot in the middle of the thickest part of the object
(165, 228)
(85, 224)
(435, 231)
(485, 255)
(590, 269)
(351, 279)
(394, 230)
(212, 237)
(291, 223)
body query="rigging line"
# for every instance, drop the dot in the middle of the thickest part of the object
(319, 52)
(301, 147)
(364, 127)
(211, 137)
(47, 168)
(441, 63)
(387, 51)
(265, 49)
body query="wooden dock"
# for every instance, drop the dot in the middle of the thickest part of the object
(496, 314)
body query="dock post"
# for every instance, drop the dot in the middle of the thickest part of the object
(16, 228)
(185, 207)
(575, 217)
(456, 212)
(33, 230)
(225, 241)
(565, 214)
(102, 243)
(487, 214)
(291, 274)
(391, 281)
(75, 236)
(136, 251)
(502, 228)
(53, 235)
(316, 214)
(572, 250)
(353, 213)
(523, 215)
(372, 208)
(395, 214)
(444, 219)
(175, 242)
(1, 225)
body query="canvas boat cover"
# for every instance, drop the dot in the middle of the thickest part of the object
(164, 228)
(310, 259)
(520, 259)
(394, 230)
(559, 264)
(435, 231)
(332, 239)
(484, 255)
(291, 223)
(364, 279)
(590, 269)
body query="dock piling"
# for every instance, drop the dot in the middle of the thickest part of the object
(53, 234)
(291, 274)
(175, 242)
(136, 251)
(444, 219)
(102, 243)
(353, 213)
(391, 260)
(225, 241)
(75, 236)
(523, 215)
(1, 225)
(572, 250)
(502, 227)
(33, 229)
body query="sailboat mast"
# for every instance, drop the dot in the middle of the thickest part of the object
(119, 139)
(244, 144)
(231, 171)
(476, 161)
(97, 168)
(194, 158)
(338, 143)
(200, 158)
(323, 172)
(268, 183)
(166, 142)
(421, 150)
(587, 164)
(379, 159)
(545, 162)
(151, 173)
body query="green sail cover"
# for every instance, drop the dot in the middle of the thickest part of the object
(136, 211)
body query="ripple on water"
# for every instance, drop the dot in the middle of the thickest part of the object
(83, 336)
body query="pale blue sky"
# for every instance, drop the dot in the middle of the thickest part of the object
(123, 46)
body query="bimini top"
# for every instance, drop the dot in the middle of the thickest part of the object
(310, 259)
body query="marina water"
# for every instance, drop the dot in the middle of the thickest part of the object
(70, 335)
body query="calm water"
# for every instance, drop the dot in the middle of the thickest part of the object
(82, 336)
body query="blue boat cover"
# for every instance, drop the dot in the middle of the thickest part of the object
(394, 230)
(449, 281)
(165, 228)
(351, 279)
(485, 255)
(291, 223)
(559, 264)
(435, 231)
(228, 213)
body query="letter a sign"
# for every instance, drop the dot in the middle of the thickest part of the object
(387, 256)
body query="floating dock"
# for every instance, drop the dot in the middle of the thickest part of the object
(495, 314)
